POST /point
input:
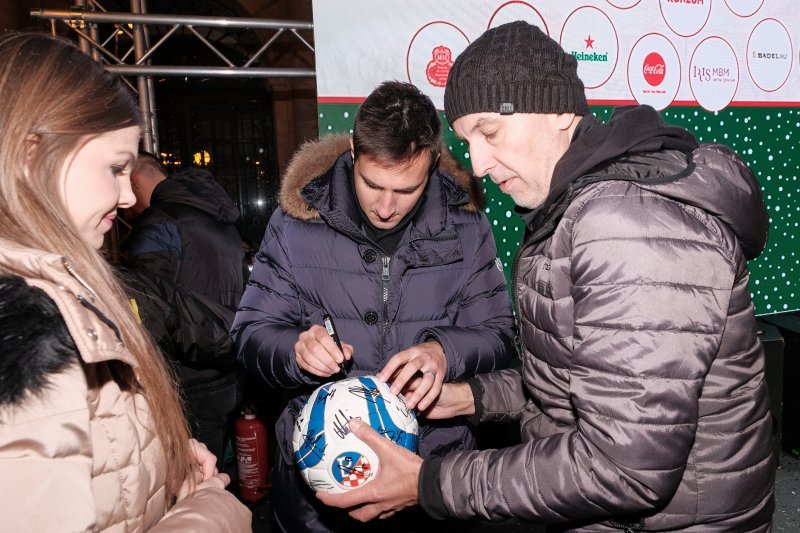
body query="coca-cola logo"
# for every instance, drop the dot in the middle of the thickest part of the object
(652, 56)
(654, 69)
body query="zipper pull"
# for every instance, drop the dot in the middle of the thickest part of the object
(385, 284)
(72, 272)
(385, 273)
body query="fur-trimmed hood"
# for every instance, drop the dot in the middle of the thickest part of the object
(314, 158)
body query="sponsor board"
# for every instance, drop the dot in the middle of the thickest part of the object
(511, 11)
(769, 55)
(714, 73)
(654, 71)
(724, 57)
(590, 36)
(418, 41)
(744, 8)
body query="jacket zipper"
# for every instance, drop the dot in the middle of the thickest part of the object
(385, 301)
(543, 232)
(72, 272)
(103, 318)
(525, 243)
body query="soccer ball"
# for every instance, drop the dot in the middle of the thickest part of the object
(329, 457)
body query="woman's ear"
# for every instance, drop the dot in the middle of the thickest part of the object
(31, 145)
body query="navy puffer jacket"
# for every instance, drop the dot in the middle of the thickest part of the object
(444, 283)
(188, 236)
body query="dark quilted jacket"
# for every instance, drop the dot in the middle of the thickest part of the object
(641, 398)
(443, 283)
(188, 238)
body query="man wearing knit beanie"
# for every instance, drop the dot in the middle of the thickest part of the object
(641, 391)
(514, 68)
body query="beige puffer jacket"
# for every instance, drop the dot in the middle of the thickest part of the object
(75, 452)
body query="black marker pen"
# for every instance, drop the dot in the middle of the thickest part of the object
(328, 321)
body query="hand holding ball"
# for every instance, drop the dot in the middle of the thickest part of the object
(329, 457)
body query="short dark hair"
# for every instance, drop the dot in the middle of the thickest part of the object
(149, 164)
(396, 123)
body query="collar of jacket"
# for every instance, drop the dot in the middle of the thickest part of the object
(596, 148)
(333, 199)
(315, 161)
(95, 336)
(318, 185)
(653, 168)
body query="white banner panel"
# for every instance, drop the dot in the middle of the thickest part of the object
(711, 53)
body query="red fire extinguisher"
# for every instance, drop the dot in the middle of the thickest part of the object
(251, 454)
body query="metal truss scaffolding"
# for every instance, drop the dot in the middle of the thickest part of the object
(104, 35)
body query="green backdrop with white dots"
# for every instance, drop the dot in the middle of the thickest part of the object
(765, 137)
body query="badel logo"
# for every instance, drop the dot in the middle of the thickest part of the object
(654, 69)
(439, 67)
(769, 55)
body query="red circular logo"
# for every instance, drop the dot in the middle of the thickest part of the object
(654, 69)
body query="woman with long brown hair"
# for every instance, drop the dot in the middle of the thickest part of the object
(92, 435)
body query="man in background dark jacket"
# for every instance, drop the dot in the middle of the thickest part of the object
(186, 235)
(187, 327)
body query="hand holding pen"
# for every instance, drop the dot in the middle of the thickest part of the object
(330, 327)
(320, 352)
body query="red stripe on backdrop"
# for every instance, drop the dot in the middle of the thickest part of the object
(598, 101)
(764, 104)
(340, 99)
(693, 103)
(592, 102)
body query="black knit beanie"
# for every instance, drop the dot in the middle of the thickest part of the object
(514, 68)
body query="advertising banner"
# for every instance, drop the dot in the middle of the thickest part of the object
(728, 70)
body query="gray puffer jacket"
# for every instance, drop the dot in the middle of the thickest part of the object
(443, 282)
(641, 398)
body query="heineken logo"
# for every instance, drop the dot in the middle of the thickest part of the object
(590, 56)
(590, 37)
